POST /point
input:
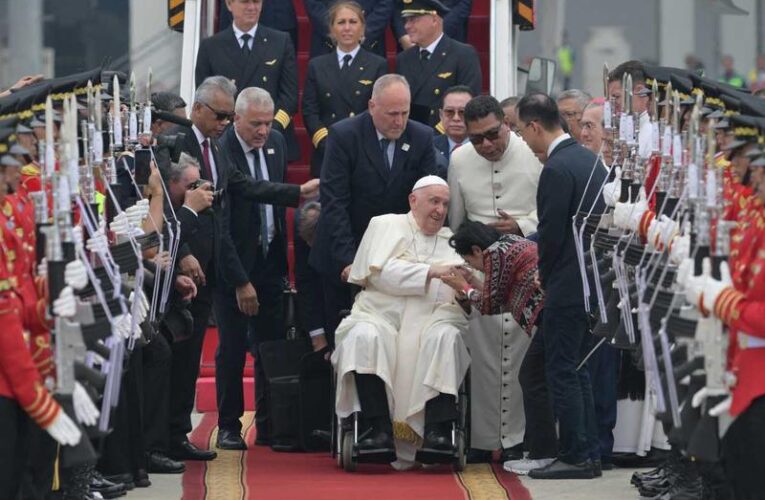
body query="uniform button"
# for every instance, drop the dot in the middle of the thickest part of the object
(496, 171)
(504, 399)
(504, 373)
(506, 333)
(504, 411)
(505, 360)
(431, 111)
(497, 197)
(352, 114)
(437, 91)
(333, 115)
(265, 78)
(507, 319)
(358, 92)
(328, 94)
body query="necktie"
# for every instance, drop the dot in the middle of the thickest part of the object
(424, 55)
(206, 158)
(246, 43)
(262, 207)
(384, 145)
(346, 62)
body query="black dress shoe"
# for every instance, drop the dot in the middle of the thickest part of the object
(379, 440)
(561, 470)
(188, 451)
(126, 480)
(438, 437)
(262, 441)
(476, 456)
(160, 464)
(597, 468)
(230, 440)
(514, 453)
(106, 488)
(141, 478)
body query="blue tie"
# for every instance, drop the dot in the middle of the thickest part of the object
(384, 143)
(263, 220)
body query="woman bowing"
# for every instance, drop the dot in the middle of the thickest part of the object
(339, 84)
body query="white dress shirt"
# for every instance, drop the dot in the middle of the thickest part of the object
(432, 47)
(555, 142)
(249, 153)
(200, 139)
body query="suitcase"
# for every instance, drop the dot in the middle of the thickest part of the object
(300, 403)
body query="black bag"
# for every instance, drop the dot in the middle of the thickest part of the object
(300, 396)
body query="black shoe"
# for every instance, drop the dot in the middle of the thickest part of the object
(377, 440)
(230, 440)
(476, 456)
(160, 464)
(606, 464)
(126, 480)
(262, 441)
(514, 453)
(141, 478)
(106, 488)
(438, 437)
(561, 470)
(597, 468)
(187, 451)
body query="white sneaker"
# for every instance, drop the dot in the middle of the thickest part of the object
(522, 467)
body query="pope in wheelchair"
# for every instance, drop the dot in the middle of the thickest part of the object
(400, 357)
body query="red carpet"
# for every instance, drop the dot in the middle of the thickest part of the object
(263, 474)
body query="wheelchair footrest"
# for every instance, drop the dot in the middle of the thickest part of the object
(431, 456)
(376, 456)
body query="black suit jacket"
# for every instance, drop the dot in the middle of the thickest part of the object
(356, 185)
(561, 187)
(377, 13)
(329, 95)
(270, 66)
(441, 144)
(452, 63)
(237, 268)
(455, 22)
(211, 236)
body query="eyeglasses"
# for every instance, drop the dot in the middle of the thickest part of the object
(220, 115)
(491, 135)
(450, 113)
(571, 115)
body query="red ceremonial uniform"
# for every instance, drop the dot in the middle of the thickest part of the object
(742, 308)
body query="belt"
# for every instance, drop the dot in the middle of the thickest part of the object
(750, 342)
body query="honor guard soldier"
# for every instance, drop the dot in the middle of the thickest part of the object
(435, 62)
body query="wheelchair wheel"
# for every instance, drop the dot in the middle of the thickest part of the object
(348, 460)
(461, 459)
(338, 450)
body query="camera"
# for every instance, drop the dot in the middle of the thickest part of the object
(206, 184)
(171, 144)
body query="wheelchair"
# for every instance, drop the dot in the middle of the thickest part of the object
(346, 434)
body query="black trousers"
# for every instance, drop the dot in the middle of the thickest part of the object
(38, 474)
(604, 376)
(742, 452)
(239, 334)
(123, 450)
(567, 342)
(185, 368)
(338, 296)
(541, 438)
(13, 447)
(157, 367)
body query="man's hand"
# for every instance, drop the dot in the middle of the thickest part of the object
(405, 42)
(247, 299)
(310, 189)
(155, 181)
(456, 281)
(345, 274)
(185, 287)
(190, 267)
(26, 80)
(506, 224)
(319, 342)
(199, 199)
(162, 260)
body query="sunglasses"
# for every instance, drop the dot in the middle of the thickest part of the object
(491, 135)
(220, 115)
(450, 113)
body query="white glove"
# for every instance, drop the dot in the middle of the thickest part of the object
(63, 430)
(652, 235)
(705, 393)
(680, 249)
(42, 268)
(143, 305)
(668, 230)
(722, 407)
(77, 236)
(65, 305)
(120, 224)
(135, 215)
(123, 324)
(714, 287)
(98, 243)
(613, 190)
(75, 274)
(638, 209)
(684, 272)
(694, 285)
(85, 410)
(622, 214)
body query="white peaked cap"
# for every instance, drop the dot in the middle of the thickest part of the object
(429, 180)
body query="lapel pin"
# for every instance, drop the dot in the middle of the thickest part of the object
(270, 151)
(405, 147)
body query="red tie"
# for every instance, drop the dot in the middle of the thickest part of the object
(206, 158)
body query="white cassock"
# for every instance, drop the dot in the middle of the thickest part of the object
(403, 329)
(478, 188)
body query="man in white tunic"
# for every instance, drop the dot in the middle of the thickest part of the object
(494, 180)
(400, 357)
